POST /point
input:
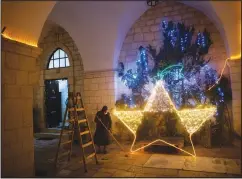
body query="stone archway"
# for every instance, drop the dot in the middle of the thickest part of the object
(56, 37)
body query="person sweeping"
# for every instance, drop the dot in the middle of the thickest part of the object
(103, 127)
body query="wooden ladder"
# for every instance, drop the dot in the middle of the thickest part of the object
(77, 124)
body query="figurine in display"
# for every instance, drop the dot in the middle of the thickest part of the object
(78, 100)
(70, 100)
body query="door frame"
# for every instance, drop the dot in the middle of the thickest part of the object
(68, 87)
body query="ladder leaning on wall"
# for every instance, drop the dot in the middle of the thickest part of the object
(76, 123)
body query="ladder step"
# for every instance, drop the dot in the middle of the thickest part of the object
(87, 144)
(90, 156)
(67, 131)
(80, 109)
(85, 132)
(63, 154)
(77, 109)
(70, 121)
(82, 121)
(66, 142)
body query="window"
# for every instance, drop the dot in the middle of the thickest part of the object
(58, 59)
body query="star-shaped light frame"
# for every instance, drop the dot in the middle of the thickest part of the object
(191, 119)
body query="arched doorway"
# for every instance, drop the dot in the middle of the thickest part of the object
(56, 90)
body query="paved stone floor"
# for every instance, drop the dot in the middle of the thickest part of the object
(117, 164)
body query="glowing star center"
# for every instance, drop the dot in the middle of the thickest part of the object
(159, 100)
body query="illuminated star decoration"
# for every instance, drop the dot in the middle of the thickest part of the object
(159, 100)
(191, 119)
(131, 119)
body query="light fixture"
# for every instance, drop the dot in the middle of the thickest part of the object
(152, 3)
(235, 57)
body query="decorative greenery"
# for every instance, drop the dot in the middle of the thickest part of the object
(182, 64)
(178, 49)
(134, 81)
(155, 125)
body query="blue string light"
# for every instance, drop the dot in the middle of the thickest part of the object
(190, 85)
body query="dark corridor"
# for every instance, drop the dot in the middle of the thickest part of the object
(52, 103)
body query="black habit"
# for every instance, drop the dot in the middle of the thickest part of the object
(101, 136)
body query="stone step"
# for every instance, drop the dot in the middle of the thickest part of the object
(51, 130)
(49, 135)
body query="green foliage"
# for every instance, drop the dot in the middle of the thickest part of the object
(178, 46)
(157, 125)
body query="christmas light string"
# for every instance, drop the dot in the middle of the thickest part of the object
(221, 74)
(122, 117)
(225, 63)
(191, 119)
(166, 70)
(20, 40)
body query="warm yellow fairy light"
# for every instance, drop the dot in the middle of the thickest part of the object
(225, 63)
(137, 117)
(235, 57)
(20, 40)
(132, 118)
(159, 100)
(191, 119)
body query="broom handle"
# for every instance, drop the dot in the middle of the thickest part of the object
(111, 134)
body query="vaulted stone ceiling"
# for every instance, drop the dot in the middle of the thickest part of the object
(99, 28)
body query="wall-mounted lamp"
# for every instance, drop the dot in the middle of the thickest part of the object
(152, 3)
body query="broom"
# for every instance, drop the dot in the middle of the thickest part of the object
(126, 155)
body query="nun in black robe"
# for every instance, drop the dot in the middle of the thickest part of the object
(101, 136)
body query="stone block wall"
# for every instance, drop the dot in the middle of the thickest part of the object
(147, 30)
(235, 76)
(56, 37)
(19, 76)
(99, 90)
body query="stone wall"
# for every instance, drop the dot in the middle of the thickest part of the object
(147, 30)
(235, 76)
(56, 37)
(19, 76)
(99, 90)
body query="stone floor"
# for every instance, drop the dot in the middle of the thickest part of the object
(118, 164)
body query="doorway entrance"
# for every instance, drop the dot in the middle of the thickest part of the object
(56, 94)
